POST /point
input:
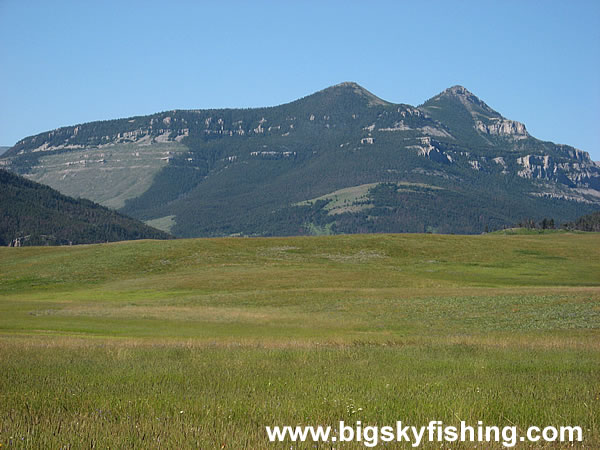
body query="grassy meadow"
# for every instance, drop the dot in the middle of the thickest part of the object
(202, 343)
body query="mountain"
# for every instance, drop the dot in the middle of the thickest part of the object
(34, 214)
(341, 160)
(3, 149)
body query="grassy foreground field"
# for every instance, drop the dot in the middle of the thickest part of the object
(203, 343)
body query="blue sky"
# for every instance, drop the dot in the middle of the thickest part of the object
(68, 62)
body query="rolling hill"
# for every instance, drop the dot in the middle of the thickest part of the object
(34, 214)
(341, 160)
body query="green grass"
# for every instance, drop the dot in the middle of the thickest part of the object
(531, 231)
(356, 198)
(105, 345)
(162, 223)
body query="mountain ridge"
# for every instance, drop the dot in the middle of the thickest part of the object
(34, 214)
(455, 91)
(264, 162)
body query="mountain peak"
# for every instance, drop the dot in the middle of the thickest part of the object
(461, 92)
(357, 89)
(469, 100)
(351, 84)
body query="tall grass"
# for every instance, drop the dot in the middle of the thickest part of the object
(203, 343)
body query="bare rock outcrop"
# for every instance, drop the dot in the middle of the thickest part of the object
(502, 127)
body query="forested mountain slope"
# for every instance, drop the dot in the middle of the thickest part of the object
(34, 214)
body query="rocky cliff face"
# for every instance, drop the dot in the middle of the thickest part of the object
(143, 131)
(502, 127)
(580, 173)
